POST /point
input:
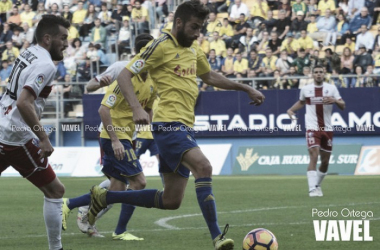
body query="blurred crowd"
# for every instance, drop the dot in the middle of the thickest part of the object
(244, 39)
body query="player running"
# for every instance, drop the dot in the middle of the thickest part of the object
(174, 61)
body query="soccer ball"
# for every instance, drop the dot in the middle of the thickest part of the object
(260, 239)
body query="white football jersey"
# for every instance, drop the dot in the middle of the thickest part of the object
(34, 71)
(318, 115)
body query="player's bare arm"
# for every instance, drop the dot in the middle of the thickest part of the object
(331, 100)
(219, 81)
(298, 105)
(94, 84)
(140, 116)
(105, 116)
(25, 104)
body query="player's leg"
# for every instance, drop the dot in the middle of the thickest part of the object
(154, 151)
(313, 140)
(325, 153)
(201, 168)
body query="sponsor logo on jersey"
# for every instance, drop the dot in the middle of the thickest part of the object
(40, 79)
(138, 66)
(111, 100)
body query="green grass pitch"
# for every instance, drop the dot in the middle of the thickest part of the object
(278, 203)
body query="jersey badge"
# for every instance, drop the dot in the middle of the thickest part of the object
(39, 79)
(111, 100)
(138, 66)
(177, 56)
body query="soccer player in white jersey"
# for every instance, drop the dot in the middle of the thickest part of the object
(24, 145)
(319, 99)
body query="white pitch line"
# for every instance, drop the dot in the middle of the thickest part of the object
(163, 222)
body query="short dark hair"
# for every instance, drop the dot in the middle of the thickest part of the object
(191, 8)
(329, 50)
(319, 67)
(301, 50)
(49, 24)
(141, 41)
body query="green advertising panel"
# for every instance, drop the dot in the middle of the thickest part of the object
(291, 159)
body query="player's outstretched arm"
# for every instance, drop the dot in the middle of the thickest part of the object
(105, 116)
(25, 105)
(298, 105)
(125, 82)
(94, 84)
(219, 81)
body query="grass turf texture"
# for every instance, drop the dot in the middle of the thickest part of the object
(278, 203)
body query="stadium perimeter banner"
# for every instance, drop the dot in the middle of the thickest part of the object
(369, 161)
(228, 113)
(291, 160)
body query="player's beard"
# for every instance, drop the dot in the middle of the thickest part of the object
(56, 52)
(183, 39)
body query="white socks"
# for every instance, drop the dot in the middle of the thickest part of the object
(320, 177)
(312, 179)
(53, 221)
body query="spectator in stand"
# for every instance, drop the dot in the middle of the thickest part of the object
(268, 65)
(248, 42)
(140, 18)
(101, 57)
(5, 72)
(297, 7)
(332, 61)
(357, 81)
(6, 36)
(215, 62)
(290, 45)
(237, 9)
(283, 25)
(40, 12)
(161, 10)
(218, 45)
(79, 15)
(270, 22)
(124, 38)
(278, 82)
(341, 28)
(61, 71)
(315, 60)
(89, 21)
(228, 64)
(54, 10)
(212, 25)
(50, 3)
(117, 16)
(363, 59)
(325, 25)
(298, 24)
(27, 15)
(254, 62)
(259, 11)
(306, 81)
(211, 5)
(10, 53)
(240, 65)
(343, 8)
(239, 31)
(275, 43)
(99, 34)
(15, 19)
(76, 54)
(105, 16)
(226, 32)
(301, 61)
(286, 7)
(168, 22)
(284, 63)
(305, 42)
(263, 43)
(354, 7)
(292, 83)
(5, 9)
(312, 9)
(324, 5)
(377, 39)
(355, 24)
(17, 38)
(203, 43)
(347, 62)
(312, 26)
(251, 74)
(365, 38)
(350, 44)
(370, 80)
(66, 13)
(73, 33)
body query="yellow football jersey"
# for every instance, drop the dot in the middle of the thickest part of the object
(121, 113)
(174, 69)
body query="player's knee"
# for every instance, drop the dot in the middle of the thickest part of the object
(56, 192)
(173, 204)
(205, 169)
(140, 184)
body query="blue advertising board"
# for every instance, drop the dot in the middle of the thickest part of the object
(228, 114)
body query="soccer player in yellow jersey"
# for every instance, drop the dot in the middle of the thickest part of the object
(120, 163)
(174, 61)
